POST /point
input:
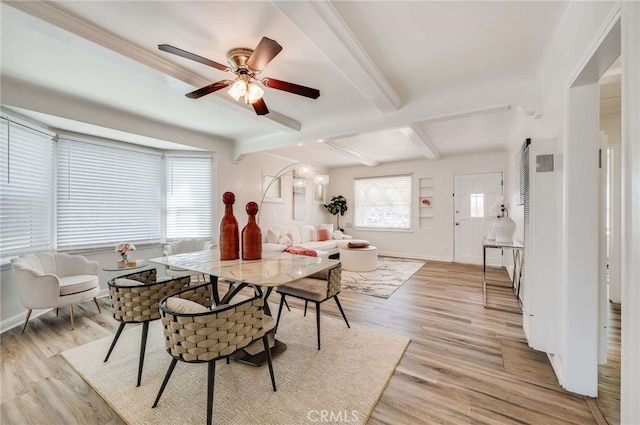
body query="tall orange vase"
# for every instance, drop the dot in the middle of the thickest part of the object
(251, 235)
(229, 238)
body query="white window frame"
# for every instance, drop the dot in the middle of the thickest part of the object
(197, 210)
(27, 188)
(127, 188)
(361, 203)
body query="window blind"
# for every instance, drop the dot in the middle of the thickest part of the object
(188, 199)
(26, 189)
(107, 194)
(383, 202)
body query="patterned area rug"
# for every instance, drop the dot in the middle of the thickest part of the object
(311, 384)
(390, 275)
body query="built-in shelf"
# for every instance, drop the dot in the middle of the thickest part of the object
(425, 191)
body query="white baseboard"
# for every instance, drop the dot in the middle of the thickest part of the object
(18, 319)
(414, 256)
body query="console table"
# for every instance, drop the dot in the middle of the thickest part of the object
(517, 250)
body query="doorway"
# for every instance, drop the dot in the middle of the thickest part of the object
(475, 195)
(581, 221)
(610, 244)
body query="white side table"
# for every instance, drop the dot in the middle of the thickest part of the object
(359, 259)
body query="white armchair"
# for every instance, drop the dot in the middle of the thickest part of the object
(47, 280)
(182, 247)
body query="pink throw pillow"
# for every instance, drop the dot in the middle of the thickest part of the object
(323, 235)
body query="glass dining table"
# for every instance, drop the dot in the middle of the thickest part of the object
(262, 275)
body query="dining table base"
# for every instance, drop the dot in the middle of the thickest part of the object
(260, 358)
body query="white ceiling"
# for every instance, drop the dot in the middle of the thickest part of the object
(398, 80)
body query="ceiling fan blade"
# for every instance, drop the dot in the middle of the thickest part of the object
(176, 51)
(291, 88)
(260, 107)
(209, 89)
(264, 53)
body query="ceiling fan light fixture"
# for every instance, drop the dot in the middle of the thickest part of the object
(254, 93)
(238, 89)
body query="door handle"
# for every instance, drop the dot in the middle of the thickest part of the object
(457, 224)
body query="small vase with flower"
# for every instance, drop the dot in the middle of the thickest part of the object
(124, 249)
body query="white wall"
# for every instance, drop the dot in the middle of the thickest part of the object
(435, 243)
(579, 34)
(246, 182)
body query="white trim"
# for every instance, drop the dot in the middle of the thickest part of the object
(630, 373)
(18, 319)
(611, 20)
(414, 256)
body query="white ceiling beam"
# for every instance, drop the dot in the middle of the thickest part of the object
(326, 29)
(55, 15)
(362, 158)
(422, 142)
(346, 129)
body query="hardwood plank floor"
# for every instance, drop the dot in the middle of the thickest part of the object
(465, 364)
(609, 373)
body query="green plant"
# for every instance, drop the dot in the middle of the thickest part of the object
(337, 206)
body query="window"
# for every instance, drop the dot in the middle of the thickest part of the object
(107, 193)
(477, 205)
(189, 203)
(383, 202)
(26, 189)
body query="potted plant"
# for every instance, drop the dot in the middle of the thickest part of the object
(337, 206)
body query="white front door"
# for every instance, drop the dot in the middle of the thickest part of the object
(474, 196)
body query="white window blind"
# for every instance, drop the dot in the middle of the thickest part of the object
(107, 194)
(189, 203)
(26, 189)
(383, 202)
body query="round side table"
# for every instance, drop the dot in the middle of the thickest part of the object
(359, 259)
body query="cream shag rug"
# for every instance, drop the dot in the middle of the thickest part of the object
(382, 282)
(342, 381)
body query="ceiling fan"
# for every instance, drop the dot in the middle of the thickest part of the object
(246, 64)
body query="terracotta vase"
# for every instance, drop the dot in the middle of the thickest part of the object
(251, 235)
(229, 238)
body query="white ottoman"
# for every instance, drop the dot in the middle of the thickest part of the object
(359, 259)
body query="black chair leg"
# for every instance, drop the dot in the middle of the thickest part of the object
(287, 305)
(306, 303)
(143, 346)
(282, 301)
(318, 322)
(211, 375)
(341, 311)
(267, 350)
(115, 339)
(165, 381)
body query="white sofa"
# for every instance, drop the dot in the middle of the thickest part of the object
(310, 236)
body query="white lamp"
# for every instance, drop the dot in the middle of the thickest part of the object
(302, 171)
(238, 89)
(254, 93)
(322, 179)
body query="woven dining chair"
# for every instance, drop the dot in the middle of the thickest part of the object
(135, 298)
(317, 288)
(196, 333)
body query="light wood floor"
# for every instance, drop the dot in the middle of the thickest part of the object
(465, 364)
(609, 373)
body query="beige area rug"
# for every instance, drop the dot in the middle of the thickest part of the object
(342, 381)
(389, 276)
